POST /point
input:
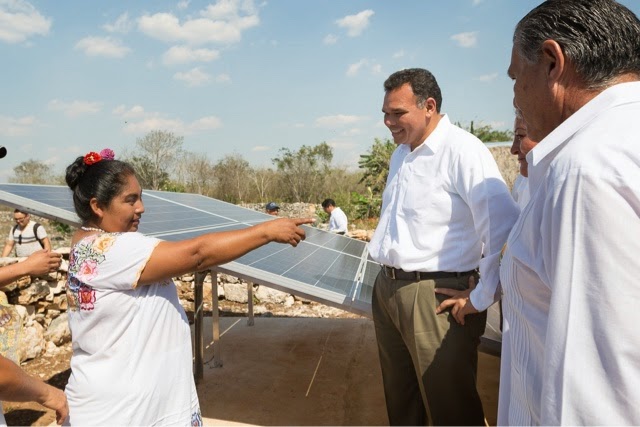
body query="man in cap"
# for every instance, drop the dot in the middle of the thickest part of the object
(272, 208)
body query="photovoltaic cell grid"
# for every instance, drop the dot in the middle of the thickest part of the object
(326, 267)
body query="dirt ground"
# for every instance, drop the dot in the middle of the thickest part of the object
(54, 369)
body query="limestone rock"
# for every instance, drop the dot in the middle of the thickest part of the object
(32, 343)
(58, 331)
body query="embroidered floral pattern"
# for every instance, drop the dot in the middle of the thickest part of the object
(196, 418)
(84, 262)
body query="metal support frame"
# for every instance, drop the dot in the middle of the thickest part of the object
(198, 363)
(217, 348)
(250, 321)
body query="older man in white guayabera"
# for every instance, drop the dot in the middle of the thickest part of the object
(571, 347)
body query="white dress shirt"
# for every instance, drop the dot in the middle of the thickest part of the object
(444, 206)
(520, 191)
(338, 221)
(571, 344)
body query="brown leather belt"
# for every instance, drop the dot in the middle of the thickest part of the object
(399, 274)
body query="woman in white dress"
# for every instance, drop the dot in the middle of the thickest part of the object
(132, 358)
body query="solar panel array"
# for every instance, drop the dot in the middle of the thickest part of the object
(326, 267)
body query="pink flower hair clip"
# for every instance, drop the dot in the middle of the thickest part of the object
(107, 154)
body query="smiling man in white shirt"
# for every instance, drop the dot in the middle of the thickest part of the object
(445, 205)
(571, 347)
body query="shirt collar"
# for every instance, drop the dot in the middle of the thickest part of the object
(435, 140)
(613, 96)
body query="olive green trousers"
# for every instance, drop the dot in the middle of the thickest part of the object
(429, 362)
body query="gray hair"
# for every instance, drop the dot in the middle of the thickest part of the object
(422, 82)
(601, 38)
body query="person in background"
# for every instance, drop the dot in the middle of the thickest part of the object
(522, 144)
(571, 347)
(338, 221)
(272, 208)
(26, 236)
(132, 358)
(15, 384)
(446, 211)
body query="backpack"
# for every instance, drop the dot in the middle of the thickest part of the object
(35, 233)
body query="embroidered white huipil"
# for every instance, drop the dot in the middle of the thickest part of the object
(132, 358)
(571, 292)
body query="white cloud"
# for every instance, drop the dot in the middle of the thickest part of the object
(16, 126)
(134, 112)
(75, 108)
(468, 39)
(139, 121)
(183, 4)
(261, 148)
(230, 10)
(122, 25)
(193, 77)
(222, 22)
(355, 24)
(185, 54)
(352, 132)
(353, 69)
(206, 123)
(19, 20)
(102, 46)
(477, 2)
(337, 120)
(398, 54)
(330, 39)
(155, 123)
(223, 78)
(487, 77)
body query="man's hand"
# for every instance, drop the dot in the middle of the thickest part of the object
(459, 302)
(42, 262)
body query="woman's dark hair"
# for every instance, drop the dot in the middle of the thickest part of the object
(103, 180)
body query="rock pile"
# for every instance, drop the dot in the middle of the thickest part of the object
(40, 305)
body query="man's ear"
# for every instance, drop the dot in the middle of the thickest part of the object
(554, 61)
(430, 107)
(95, 207)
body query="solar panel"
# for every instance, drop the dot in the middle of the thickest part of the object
(326, 267)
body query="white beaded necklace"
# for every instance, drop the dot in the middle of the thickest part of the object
(99, 230)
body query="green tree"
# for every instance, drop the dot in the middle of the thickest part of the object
(232, 175)
(195, 172)
(159, 149)
(303, 170)
(33, 172)
(376, 165)
(149, 176)
(487, 133)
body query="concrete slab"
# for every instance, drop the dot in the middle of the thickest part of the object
(303, 371)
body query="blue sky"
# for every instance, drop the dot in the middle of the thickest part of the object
(239, 76)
